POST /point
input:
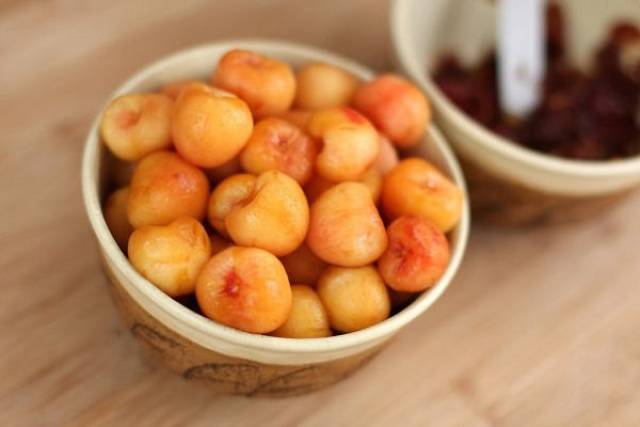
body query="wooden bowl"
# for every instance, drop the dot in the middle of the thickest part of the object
(197, 348)
(510, 184)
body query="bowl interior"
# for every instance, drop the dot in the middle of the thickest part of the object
(198, 63)
(467, 27)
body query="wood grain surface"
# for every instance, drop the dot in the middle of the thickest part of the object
(540, 328)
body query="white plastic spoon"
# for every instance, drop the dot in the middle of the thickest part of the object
(521, 56)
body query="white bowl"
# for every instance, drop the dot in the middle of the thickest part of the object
(181, 323)
(423, 30)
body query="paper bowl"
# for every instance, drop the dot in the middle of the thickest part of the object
(197, 348)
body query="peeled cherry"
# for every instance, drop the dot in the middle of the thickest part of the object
(417, 254)
(345, 228)
(355, 298)
(322, 85)
(276, 144)
(171, 256)
(269, 211)
(349, 143)
(416, 187)
(396, 107)
(303, 266)
(275, 217)
(115, 215)
(307, 318)
(163, 188)
(135, 125)
(230, 193)
(210, 127)
(245, 288)
(266, 84)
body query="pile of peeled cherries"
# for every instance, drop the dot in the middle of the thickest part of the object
(277, 197)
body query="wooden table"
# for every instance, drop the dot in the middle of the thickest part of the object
(540, 328)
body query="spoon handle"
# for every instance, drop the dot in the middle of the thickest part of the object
(521, 56)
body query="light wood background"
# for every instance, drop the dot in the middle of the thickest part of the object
(540, 328)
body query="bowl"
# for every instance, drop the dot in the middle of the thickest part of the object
(197, 348)
(510, 184)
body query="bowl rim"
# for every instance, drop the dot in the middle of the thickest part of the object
(180, 313)
(401, 42)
